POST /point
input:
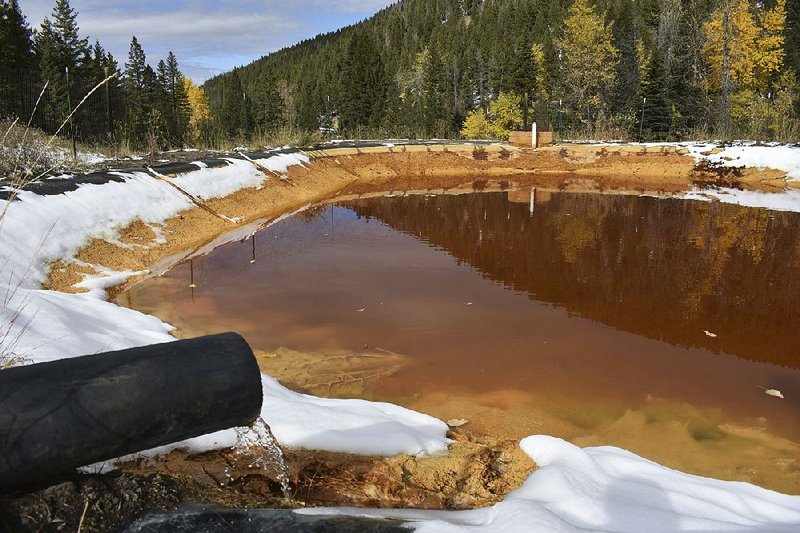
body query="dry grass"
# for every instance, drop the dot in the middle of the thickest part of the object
(26, 153)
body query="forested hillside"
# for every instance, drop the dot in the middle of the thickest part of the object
(652, 69)
(47, 72)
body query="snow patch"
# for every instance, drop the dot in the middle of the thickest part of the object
(608, 489)
(788, 200)
(779, 157)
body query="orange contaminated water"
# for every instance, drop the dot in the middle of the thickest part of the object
(652, 324)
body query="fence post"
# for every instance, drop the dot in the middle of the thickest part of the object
(108, 103)
(71, 123)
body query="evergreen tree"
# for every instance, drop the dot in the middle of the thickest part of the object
(178, 111)
(437, 114)
(135, 84)
(793, 44)
(267, 109)
(61, 52)
(16, 40)
(16, 59)
(656, 120)
(364, 83)
(793, 37)
(626, 38)
(521, 75)
(232, 111)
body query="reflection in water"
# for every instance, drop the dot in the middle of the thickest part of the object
(666, 269)
(582, 316)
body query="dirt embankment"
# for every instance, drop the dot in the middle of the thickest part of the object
(478, 471)
(353, 172)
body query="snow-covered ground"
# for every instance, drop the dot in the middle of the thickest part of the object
(788, 200)
(574, 489)
(779, 157)
(608, 489)
(39, 326)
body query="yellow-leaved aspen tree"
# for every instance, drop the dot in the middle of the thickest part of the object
(588, 60)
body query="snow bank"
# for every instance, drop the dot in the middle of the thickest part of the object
(37, 230)
(574, 489)
(47, 325)
(785, 158)
(348, 426)
(779, 157)
(609, 489)
(352, 426)
(788, 200)
(39, 326)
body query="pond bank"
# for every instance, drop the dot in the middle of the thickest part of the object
(486, 469)
(347, 173)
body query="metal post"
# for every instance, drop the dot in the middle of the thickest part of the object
(71, 123)
(641, 124)
(108, 102)
(533, 200)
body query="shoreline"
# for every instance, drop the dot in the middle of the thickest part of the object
(141, 249)
(348, 173)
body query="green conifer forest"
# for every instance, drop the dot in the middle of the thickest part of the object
(650, 69)
(623, 69)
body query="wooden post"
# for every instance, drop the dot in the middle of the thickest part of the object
(56, 417)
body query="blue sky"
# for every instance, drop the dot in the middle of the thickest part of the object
(208, 36)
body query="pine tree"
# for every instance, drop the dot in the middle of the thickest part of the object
(364, 83)
(437, 115)
(521, 75)
(16, 59)
(61, 52)
(793, 46)
(178, 111)
(626, 38)
(656, 122)
(15, 38)
(793, 37)
(687, 77)
(268, 105)
(231, 114)
(136, 91)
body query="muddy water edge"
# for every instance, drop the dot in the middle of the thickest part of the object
(481, 468)
(651, 324)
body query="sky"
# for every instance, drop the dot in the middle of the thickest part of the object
(207, 36)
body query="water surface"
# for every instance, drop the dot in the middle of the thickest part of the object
(646, 323)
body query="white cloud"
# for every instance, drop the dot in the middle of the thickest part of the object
(207, 36)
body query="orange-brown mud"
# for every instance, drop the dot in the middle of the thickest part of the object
(354, 172)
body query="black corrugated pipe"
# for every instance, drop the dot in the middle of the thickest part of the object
(56, 417)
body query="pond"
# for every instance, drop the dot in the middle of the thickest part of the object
(651, 324)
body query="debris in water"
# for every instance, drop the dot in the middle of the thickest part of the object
(361, 310)
(709, 334)
(775, 393)
(259, 435)
(457, 422)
